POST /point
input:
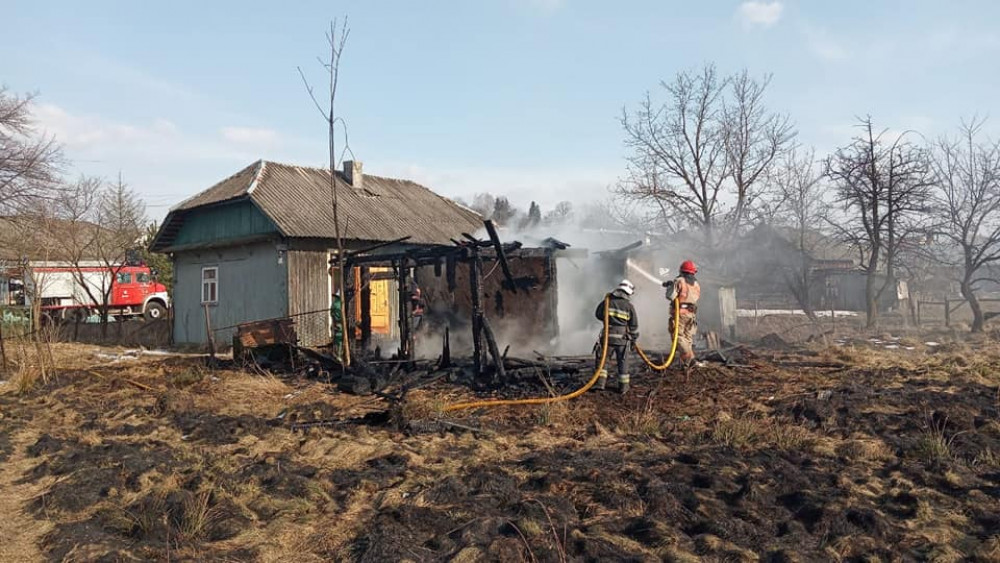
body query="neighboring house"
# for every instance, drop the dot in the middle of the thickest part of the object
(257, 245)
(767, 258)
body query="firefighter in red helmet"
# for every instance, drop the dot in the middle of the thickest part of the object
(686, 290)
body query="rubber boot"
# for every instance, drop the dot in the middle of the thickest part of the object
(602, 381)
(623, 386)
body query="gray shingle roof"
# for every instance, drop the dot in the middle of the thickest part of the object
(299, 201)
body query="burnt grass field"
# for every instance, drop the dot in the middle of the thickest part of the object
(842, 454)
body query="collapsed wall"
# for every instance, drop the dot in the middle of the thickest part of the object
(526, 319)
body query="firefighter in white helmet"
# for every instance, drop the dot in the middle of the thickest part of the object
(623, 329)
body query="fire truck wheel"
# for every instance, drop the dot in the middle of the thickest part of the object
(154, 311)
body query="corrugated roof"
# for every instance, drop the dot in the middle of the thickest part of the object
(232, 187)
(299, 201)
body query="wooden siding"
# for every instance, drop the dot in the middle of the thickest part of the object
(227, 222)
(253, 285)
(309, 295)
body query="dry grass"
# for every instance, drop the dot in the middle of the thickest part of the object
(644, 421)
(787, 436)
(865, 449)
(989, 550)
(197, 515)
(945, 554)
(27, 376)
(987, 457)
(748, 431)
(740, 432)
(934, 446)
(421, 405)
(29, 363)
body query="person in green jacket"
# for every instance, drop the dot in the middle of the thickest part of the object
(336, 313)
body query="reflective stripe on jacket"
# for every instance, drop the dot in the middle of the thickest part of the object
(622, 319)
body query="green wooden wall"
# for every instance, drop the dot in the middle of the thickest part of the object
(226, 222)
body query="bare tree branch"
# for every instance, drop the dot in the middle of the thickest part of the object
(710, 141)
(336, 39)
(885, 192)
(30, 163)
(968, 206)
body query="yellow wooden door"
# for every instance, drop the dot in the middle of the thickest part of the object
(381, 311)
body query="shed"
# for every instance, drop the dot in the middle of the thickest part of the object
(258, 244)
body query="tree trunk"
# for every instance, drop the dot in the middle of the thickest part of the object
(799, 286)
(871, 301)
(805, 269)
(977, 310)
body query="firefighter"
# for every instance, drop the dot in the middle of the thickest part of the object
(623, 329)
(337, 316)
(686, 290)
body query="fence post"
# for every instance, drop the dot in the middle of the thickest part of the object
(3, 351)
(947, 312)
(208, 332)
(919, 317)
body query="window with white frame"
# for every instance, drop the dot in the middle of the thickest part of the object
(210, 285)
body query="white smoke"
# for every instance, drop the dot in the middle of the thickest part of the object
(584, 281)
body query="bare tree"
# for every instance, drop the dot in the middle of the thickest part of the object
(711, 138)
(679, 162)
(99, 224)
(884, 189)
(29, 162)
(755, 137)
(26, 237)
(561, 214)
(797, 181)
(337, 40)
(968, 173)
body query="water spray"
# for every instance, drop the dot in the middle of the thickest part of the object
(644, 273)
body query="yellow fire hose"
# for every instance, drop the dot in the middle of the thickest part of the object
(593, 378)
(673, 345)
(548, 400)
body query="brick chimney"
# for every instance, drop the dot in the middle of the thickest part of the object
(352, 169)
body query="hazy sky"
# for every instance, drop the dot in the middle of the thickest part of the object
(519, 97)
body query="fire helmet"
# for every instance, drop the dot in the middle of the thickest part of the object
(688, 267)
(627, 287)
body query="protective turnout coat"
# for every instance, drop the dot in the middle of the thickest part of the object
(623, 323)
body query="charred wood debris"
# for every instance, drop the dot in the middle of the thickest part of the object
(272, 345)
(489, 371)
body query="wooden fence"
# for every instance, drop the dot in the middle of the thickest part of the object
(949, 307)
(131, 333)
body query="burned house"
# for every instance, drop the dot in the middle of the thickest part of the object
(482, 297)
(258, 245)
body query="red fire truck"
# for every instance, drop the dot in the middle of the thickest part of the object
(74, 292)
